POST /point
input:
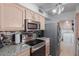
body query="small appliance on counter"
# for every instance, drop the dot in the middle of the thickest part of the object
(27, 36)
(1, 43)
(24, 36)
(17, 38)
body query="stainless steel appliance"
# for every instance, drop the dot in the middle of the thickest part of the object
(32, 26)
(16, 38)
(1, 44)
(37, 47)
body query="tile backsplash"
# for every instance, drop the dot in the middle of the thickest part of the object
(7, 33)
(7, 37)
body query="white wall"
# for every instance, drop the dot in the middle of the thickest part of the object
(33, 7)
(77, 8)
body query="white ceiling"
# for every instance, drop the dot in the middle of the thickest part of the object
(47, 7)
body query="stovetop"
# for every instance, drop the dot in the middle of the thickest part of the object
(34, 42)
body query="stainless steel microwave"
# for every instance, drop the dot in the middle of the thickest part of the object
(33, 26)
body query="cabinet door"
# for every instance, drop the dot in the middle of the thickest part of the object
(48, 47)
(42, 23)
(25, 52)
(77, 25)
(11, 17)
(37, 17)
(28, 14)
(32, 16)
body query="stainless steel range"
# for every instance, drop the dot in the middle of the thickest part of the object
(37, 47)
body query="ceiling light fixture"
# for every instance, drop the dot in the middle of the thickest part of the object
(54, 11)
(62, 9)
(59, 8)
(67, 22)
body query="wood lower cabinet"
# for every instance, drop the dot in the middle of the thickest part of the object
(25, 52)
(77, 25)
(11, 17)
(47, 46)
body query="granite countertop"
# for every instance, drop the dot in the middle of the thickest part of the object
(44, 38)
(11, 50)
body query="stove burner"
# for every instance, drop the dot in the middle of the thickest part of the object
(34, 42)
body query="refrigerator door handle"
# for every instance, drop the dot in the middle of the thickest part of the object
(62, 39)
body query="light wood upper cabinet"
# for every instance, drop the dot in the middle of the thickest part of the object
(29, 14)
(11, 17)
(42, 23)
(32, 15)
(36, 17)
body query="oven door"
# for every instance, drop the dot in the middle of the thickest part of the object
(38, 50)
